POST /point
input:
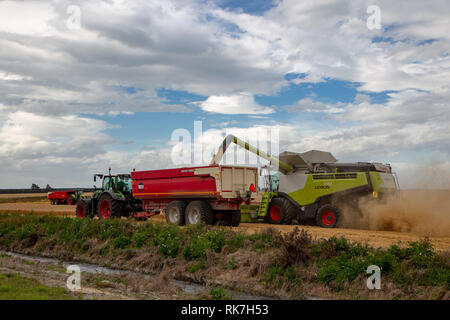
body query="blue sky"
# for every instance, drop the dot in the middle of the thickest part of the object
(111, 90)
(254, 7)
(158, 126)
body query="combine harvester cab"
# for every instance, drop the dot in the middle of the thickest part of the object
(313, 186)
(189, 196)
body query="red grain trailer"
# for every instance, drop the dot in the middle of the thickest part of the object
(189, 196)
(60, 197)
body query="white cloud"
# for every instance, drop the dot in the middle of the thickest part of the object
(242, 103)
(310, 105)
(49, 73)
(34, 17)
(25, 136)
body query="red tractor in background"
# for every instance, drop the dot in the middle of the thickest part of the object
(69, 197)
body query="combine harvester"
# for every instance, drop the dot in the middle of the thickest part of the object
(311, 186)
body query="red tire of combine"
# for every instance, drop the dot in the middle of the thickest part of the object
(275, 213)
(281, 211)
(328, 216)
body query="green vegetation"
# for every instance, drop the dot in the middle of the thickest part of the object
(232, 264)
(28, 262)
(16, 287)
(213, 240)
(288, 259)
(197, 266)
(280, 276)
(219, 293)
(415, 264)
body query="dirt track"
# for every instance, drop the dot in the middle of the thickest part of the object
(22, 195)
(371, 237)
(39, 207)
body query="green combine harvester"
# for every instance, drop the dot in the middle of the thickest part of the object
(312, 186)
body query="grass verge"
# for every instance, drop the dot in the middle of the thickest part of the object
(15, 287)
(293, 265)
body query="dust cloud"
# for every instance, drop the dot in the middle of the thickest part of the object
(424, 211)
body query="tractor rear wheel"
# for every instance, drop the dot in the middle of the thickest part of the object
(82, 210)
(199, 211)
(281, 211)
(328, 216)
(108, 207)
(175, 212)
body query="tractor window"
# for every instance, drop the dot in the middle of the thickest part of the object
(124, 183)
(106, 183)
(275, 176)
(270, 180)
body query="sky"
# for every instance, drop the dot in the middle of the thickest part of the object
(87, 85)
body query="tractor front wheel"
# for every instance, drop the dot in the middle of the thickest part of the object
(82, 210)
(108, 207)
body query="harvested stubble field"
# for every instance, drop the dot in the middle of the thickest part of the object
(22, 195)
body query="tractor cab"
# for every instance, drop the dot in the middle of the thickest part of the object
(119, 182)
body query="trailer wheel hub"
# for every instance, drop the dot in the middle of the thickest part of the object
(275, 213)
(194, 216)
(174, 215)
(328, 218)
(105, 209)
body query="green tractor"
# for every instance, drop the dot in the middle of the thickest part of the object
(75, 197)
(113, 199)
(312, 187)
